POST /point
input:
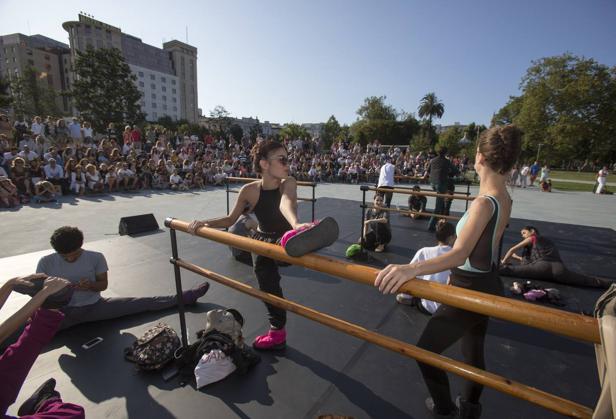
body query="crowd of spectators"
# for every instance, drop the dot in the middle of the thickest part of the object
(41, 159)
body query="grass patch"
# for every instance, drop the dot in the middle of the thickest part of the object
(572, 186)
(561, 174)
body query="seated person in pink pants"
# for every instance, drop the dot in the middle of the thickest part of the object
(17, 359)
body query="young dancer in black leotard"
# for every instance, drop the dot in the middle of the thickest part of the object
(541, 260)
(473, 262)
(273, 199)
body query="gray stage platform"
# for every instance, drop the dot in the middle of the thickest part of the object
(322, 371)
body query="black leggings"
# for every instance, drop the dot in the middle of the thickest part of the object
(266, 271)
(447, 326)
(553, 271)
(380, 235)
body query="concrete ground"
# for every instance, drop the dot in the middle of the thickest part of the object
(28, 228)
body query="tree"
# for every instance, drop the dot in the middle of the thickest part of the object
(450, 138)
(221, 119)
(568, 104)
(331, 130)
(5, 97)
(104, 90)
(31, 95)
(293, 131)
(430, 107)
(379, 121)
(375, 109)
(237, 132)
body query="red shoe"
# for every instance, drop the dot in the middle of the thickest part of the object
(274, 339)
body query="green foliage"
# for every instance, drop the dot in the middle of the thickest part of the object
(293, 131)
(451, 139)
(5, 97)
(379, 121)
(104, 90)
(331, 131)
(375, 109)
(32, 96)
(221, 119)
(237, 132)
(430, 107)
(420, 141)
(568, 104)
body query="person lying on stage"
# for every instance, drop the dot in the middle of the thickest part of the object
(17, 360)
(417, 203)
(445, 236)
(88, 273)
(273, 200)
(541, 260)
(473, 262)
(377, 230)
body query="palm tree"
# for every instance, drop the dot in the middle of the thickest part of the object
(430, 107)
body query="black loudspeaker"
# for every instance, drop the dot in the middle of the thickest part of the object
(137, 224)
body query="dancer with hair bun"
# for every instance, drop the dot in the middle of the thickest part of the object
(473, 261)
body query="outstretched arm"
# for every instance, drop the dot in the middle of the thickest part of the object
(390, 279)
(511, 252)
(288, 202)
(241, 204)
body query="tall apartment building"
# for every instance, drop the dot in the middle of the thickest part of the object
(50, 59)
(167, 77)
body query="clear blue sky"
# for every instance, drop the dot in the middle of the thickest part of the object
(303, 61)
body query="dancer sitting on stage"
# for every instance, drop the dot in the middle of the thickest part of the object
(18, 358)
(273, 199)
(417, 203)
(87, 271)
(540, 260)
(445, 236)
(377, 230)
(473, 261)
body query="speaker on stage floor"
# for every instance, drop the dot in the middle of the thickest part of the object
(137, 224)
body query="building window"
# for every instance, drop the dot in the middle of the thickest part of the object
(153, 95)
(173, 91)
(99, 43)
(153, 105)
(164, 88)
(88, 29)
(174, 99)
(152, 77)
(108, 34)
(175, 108)
(173, 82)
(164, 98)
(141, 84)
(47, 57)
(163, 79)
(153, 86)
(154, 115)
(164, 107)
(141, 74)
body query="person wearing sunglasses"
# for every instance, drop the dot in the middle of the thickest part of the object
(273, 199)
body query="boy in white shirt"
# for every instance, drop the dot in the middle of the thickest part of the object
(445, 235)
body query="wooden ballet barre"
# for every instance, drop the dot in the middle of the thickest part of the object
(552, 320)
(427, 214)
(497, 382)
(298, 198)
(433, 194)
(249, 179)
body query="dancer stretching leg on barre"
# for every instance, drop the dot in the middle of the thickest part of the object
(273, 199)
(473, 262)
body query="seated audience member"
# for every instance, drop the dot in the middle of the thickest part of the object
(417, 203)
(9, 196)
(176, 182)
(93, 179)
(78, 181)
(445, 236)
(20, 176)
(87, 271)
(541, 260)
(41, 324)
(44, 191)
(127, 177)
(377, 230)
(111, 178)
(54, 173)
